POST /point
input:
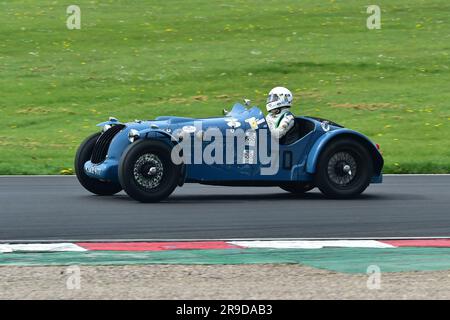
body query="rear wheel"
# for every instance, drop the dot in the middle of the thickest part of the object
(344, 169)
(146, 171)
(298, 188)
(84, 152)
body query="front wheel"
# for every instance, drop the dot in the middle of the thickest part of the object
(84, 152)
(344, 169)
(146, 171)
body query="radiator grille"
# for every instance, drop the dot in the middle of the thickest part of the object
(103, 142)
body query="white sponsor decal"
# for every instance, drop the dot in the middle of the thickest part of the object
(234, 124)
(189, 129)
(252, 122)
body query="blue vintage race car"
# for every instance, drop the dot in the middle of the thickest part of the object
(149, 159)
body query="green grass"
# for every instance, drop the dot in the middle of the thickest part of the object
(140, 59)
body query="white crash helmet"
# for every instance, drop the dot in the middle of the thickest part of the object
(279, 97)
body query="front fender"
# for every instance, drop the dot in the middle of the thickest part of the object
(167, 138)
(326, 138)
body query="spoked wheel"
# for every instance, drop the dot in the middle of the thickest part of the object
(298, 188)
(146, 171)
(344, 169)
(96, 186)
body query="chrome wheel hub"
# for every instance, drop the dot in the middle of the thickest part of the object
(148, 171)
(347, 169)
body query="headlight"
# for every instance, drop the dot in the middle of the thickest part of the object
(106, 127)
(133, 135)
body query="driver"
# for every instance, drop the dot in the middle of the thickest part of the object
(280, 120)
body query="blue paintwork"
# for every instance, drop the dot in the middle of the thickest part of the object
(305, 151)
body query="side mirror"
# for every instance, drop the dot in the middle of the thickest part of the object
(247, 102)
(225, 112)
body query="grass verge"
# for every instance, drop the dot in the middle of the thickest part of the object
(194, 58)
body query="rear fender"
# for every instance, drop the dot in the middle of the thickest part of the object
(321, 143)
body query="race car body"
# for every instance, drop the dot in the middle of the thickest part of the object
(149, 159)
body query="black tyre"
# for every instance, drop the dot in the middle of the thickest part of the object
(344, 169)
(84, 152)
(146, 171)
(298, 188)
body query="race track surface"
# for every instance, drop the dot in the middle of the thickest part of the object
(58, 208)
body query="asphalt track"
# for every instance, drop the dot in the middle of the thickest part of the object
(58, 208)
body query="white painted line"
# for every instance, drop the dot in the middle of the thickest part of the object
(312, 244)
(41, 247)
